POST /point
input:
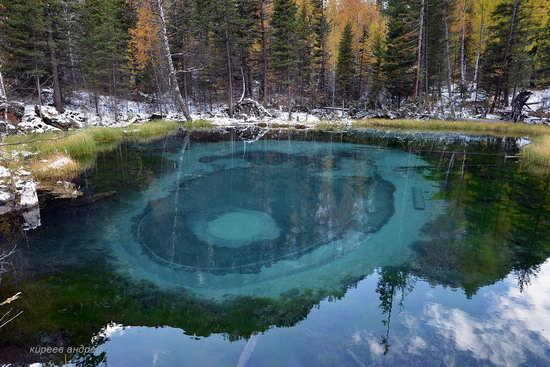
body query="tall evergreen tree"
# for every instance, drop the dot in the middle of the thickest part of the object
(377, 75)
(401, 49)
(304, 50)
(104, 41)
(507, 37)
(345, 67)
(321, 30)
(283, 52)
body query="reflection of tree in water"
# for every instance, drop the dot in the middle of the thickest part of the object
(393, 282)
(497, 222)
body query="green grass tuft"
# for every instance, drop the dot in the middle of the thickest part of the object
(81, 146)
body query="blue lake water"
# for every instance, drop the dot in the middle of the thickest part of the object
(298, 249)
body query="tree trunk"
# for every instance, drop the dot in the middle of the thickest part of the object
(263, 84)
(419, 50)
(3, 97)
(478, 54)
(168, 55)
(463, 47)
(57, 97)
(39, 91)
(448, 62)
(518, 103)
(426, 68)
(289, 96)
(229, 66)
(506, 59)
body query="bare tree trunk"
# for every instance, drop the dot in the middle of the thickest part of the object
(507, 50)
(39, 91)
(448, 62)
(419, 49)
(168, 55)
(229, 66)
(426, 68)
(289, 96)
(478, 54)
(3, 97)
(463, 47)
(263, 85)
(70, 47)
(57, 97)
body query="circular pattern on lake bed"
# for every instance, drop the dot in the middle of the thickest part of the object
(235, 227)
(239, 220)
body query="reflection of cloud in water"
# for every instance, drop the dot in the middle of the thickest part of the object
(517, 324)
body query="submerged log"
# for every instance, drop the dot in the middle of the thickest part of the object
(82, 201)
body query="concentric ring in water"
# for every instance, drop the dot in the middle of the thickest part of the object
(275, 210)
(271, 217)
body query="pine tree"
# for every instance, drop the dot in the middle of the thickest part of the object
(363, 61)
(542, 57)
(345, 68)
(401, 49)
(321, 30)
(304, 50)
(283, 52)
(507, 39)
(104, 41)
(377, 76)
(24, 42)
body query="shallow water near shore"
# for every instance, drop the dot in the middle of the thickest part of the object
(297, 248)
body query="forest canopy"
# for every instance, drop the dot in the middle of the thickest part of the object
(295, 54)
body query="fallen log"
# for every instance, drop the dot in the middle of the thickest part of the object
(518, 103)
(87, 200)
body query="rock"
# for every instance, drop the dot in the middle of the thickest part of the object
(31, 219)
(22, 172)
(14, 111)
(250, 108)
(4, 172)
(157, 116)
(27, 193)
(63, 121)
(60, 162)
(4, 197)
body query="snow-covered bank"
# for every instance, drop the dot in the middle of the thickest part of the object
(83, 109)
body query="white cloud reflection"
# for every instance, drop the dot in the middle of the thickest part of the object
(515, 326)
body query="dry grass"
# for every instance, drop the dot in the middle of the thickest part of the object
(537, 153)
(55, 167)
(472, 127)
(77, 149)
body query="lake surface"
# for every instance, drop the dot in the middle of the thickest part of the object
(250, 247)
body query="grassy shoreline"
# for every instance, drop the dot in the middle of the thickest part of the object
(63, 155)
(537, 153)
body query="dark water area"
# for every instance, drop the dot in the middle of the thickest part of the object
(287, 248)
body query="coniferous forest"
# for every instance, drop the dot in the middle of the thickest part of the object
(437, 56)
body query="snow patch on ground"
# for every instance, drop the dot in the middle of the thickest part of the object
(60, 163)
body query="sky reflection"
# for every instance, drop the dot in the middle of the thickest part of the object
(499, 326)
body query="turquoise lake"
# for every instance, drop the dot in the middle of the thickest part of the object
(248, 247)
